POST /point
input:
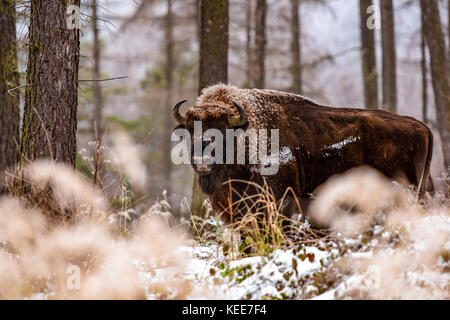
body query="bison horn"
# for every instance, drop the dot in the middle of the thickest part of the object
(242, 119)
(176, 112)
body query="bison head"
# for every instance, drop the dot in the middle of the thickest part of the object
(210, 173)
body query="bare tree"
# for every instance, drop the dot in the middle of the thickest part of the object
(50, 115)
(9, 79)
(424, 71)
(197, 19)
(435, 40)
(295, 47)
(260, 43)
(213, 62)
(97, 124)
(369, 68)
(213, 42)
(389, 75)
(249, 42)
(168, 31)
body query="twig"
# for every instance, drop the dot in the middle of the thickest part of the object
(81, 80)
(13, 89)
(98, 80)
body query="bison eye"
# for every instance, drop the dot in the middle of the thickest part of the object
(180, 126)
(209, 139)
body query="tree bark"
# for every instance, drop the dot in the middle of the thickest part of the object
(9, 79)
(167, 127)
(295, 48)
(197, 20)
(389, 75)
(423, 67)
(213, 42)
(260, 43)
(369, 68)
(435, 40)
(50, 115)
(213, 63)
(249, 43)
(97, 124)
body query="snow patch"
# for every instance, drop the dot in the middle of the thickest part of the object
(343, 143)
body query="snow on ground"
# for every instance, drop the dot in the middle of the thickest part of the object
(386, 264)
(277, 276)
(405, 255)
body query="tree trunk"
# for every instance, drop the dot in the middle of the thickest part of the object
(213, 63)
(50, 115)
(249, 42)
(167, 127)
(213, 42)
(295, 48)
(423, 65)
(97, 124)
(9, 79)
(389, 56)
(197, 19)
(369, 67)
(435, 40)
(260, 43)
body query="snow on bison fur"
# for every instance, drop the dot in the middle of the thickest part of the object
(315, 142)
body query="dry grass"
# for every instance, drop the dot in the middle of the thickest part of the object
(57, 229)
(37, 255)
(259, 228)
(393, 245)
(59, 239)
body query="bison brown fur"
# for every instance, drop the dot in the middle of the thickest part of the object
(322, 140)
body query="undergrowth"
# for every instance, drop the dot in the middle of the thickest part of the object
(64, 235)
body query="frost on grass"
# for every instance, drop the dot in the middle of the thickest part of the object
(35, 259)
(383, 244)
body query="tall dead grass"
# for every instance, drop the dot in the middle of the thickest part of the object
(258, 223)
(397, 247)
(56, 242)
(61, 239)
(41, 261)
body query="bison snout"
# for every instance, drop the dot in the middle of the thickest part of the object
(203, 165)
(203, 169)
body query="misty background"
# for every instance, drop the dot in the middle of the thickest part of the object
(133, 42)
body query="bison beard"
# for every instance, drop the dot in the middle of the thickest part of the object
(207, 183)
(320, 141)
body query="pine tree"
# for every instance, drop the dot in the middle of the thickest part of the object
(389, 75)
(295, 48)
(50, 115)
(97, 124)
(213, 62)
(369, 67)
(249, 43)
(424, 72)
(168, 123)
(9, 79)
(435, 40)
(260, 43)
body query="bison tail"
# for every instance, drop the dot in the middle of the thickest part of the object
(426, 180)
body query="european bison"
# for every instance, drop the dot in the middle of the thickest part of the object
(315, 142)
